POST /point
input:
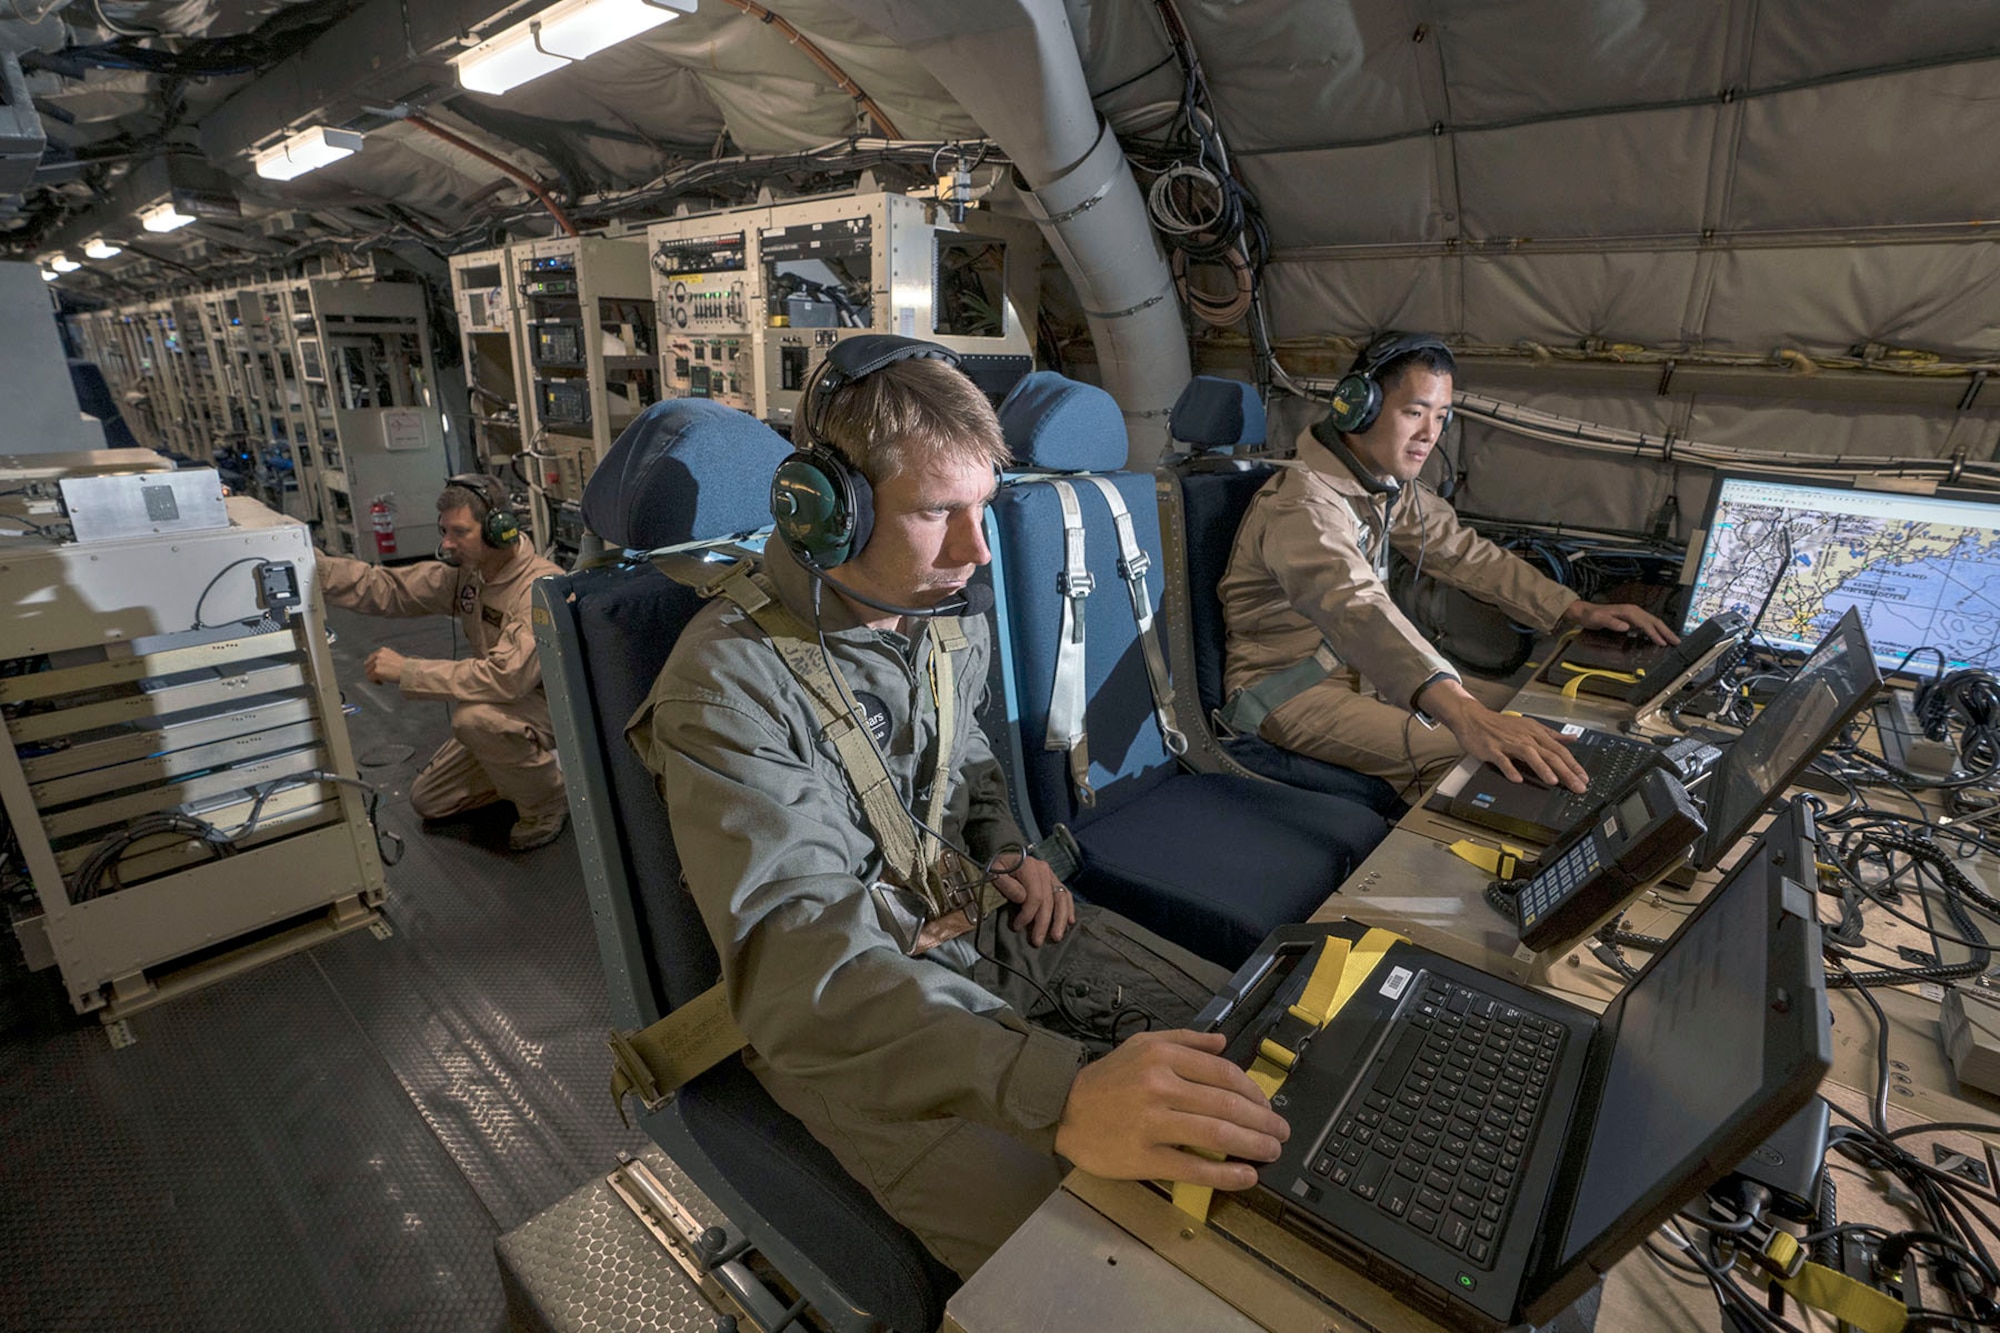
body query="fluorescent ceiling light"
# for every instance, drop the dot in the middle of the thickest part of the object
(63, 264)
(308, 150)
(561, 34)
(163, 217)
(99, 248)
(50, 275)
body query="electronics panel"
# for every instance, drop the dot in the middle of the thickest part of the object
(888, 263)
(1791, 556)
(701, 288)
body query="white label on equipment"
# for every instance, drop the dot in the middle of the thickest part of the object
(1930, 990)
(1399, 977)
(1572, 729)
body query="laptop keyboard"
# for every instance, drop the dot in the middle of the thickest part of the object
(1438, 1139)
(1610, 764)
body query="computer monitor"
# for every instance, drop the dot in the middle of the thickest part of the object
(1922, 570)
(1830, 688)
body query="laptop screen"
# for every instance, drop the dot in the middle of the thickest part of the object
(1830, 685)
(1688, 1054)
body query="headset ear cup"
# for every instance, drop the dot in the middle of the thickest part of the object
(1357, 401)
(813, 508)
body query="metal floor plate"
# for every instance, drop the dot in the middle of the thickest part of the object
(336, 1139)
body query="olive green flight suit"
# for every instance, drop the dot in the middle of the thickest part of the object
(936, 1080)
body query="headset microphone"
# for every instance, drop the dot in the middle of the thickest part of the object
(975, 599)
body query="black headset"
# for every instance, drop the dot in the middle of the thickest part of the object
(1357, 402)
(497, 525)
(1357, 399)
(821, 504)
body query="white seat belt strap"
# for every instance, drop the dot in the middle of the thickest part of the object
(1132, 566)
(1066, 694)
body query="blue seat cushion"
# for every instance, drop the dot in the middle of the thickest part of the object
(1299, 770)
(1214, 861)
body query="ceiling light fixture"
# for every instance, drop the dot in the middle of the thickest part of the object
(308, 150)
(50, 275)
(99, 248)
(63, 264)
(164, 217)
(562, 34)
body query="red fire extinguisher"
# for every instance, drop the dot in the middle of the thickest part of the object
(382, 517)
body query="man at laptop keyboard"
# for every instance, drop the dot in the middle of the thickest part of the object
(1320, 659)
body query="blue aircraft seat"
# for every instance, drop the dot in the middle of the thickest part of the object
(688, 472)
(1212, 860)
(1204, 493)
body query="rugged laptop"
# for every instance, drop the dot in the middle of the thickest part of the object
(1486, 1151)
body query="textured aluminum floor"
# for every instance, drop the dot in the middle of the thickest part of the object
(334, 1140)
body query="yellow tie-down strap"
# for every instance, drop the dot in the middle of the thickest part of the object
(1585, 673)
(1502, 862)
(1834, 1292)
(1336, 977)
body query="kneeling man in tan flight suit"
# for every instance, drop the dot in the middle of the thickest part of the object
(502, 745)
(1320, 659)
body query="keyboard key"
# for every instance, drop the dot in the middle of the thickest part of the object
(1478, 1250)
(1465, 1205)
(1375, 1101)
(1440, 1181)
(1410, 1169)
(1484, 1229)
(1396, 1197)
(1422, 1218)
(1491, 1212)
(1368, 1177)
(1455, 1232)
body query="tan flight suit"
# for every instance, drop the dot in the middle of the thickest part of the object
(1307, 570)
(936, 1080)
(502, 745)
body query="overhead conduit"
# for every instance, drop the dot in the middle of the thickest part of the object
(1013, 66)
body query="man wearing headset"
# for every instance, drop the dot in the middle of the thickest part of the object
(1320, 659)
(502, 745)
(944, 1057)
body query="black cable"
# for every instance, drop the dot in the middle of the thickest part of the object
(257, 560)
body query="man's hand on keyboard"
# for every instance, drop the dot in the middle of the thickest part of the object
(1519, 747)
(1129, 1115)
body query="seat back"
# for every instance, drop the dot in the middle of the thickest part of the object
(684, 473)
(1057, 429)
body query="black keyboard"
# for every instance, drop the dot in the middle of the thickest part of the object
(1438, 1135)
(1611, 762)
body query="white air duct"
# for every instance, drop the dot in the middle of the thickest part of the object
(1013, 66)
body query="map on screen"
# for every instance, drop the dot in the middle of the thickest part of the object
(1921, 570)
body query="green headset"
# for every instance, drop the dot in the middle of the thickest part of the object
(497, 525)
(822, 505)
(1357, 399)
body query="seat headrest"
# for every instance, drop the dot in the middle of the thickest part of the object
(1215, 413)
(685, 470)
(1058, 425)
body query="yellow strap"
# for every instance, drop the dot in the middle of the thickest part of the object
(1585, 673)
(1337, 975)
(1836, 1293)
(1502, 862)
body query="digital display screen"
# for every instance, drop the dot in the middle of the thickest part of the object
(1923, 571)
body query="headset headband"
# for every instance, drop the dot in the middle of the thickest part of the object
(852, 359)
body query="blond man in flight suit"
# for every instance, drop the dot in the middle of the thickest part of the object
(1306, 583)
(502, 745)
